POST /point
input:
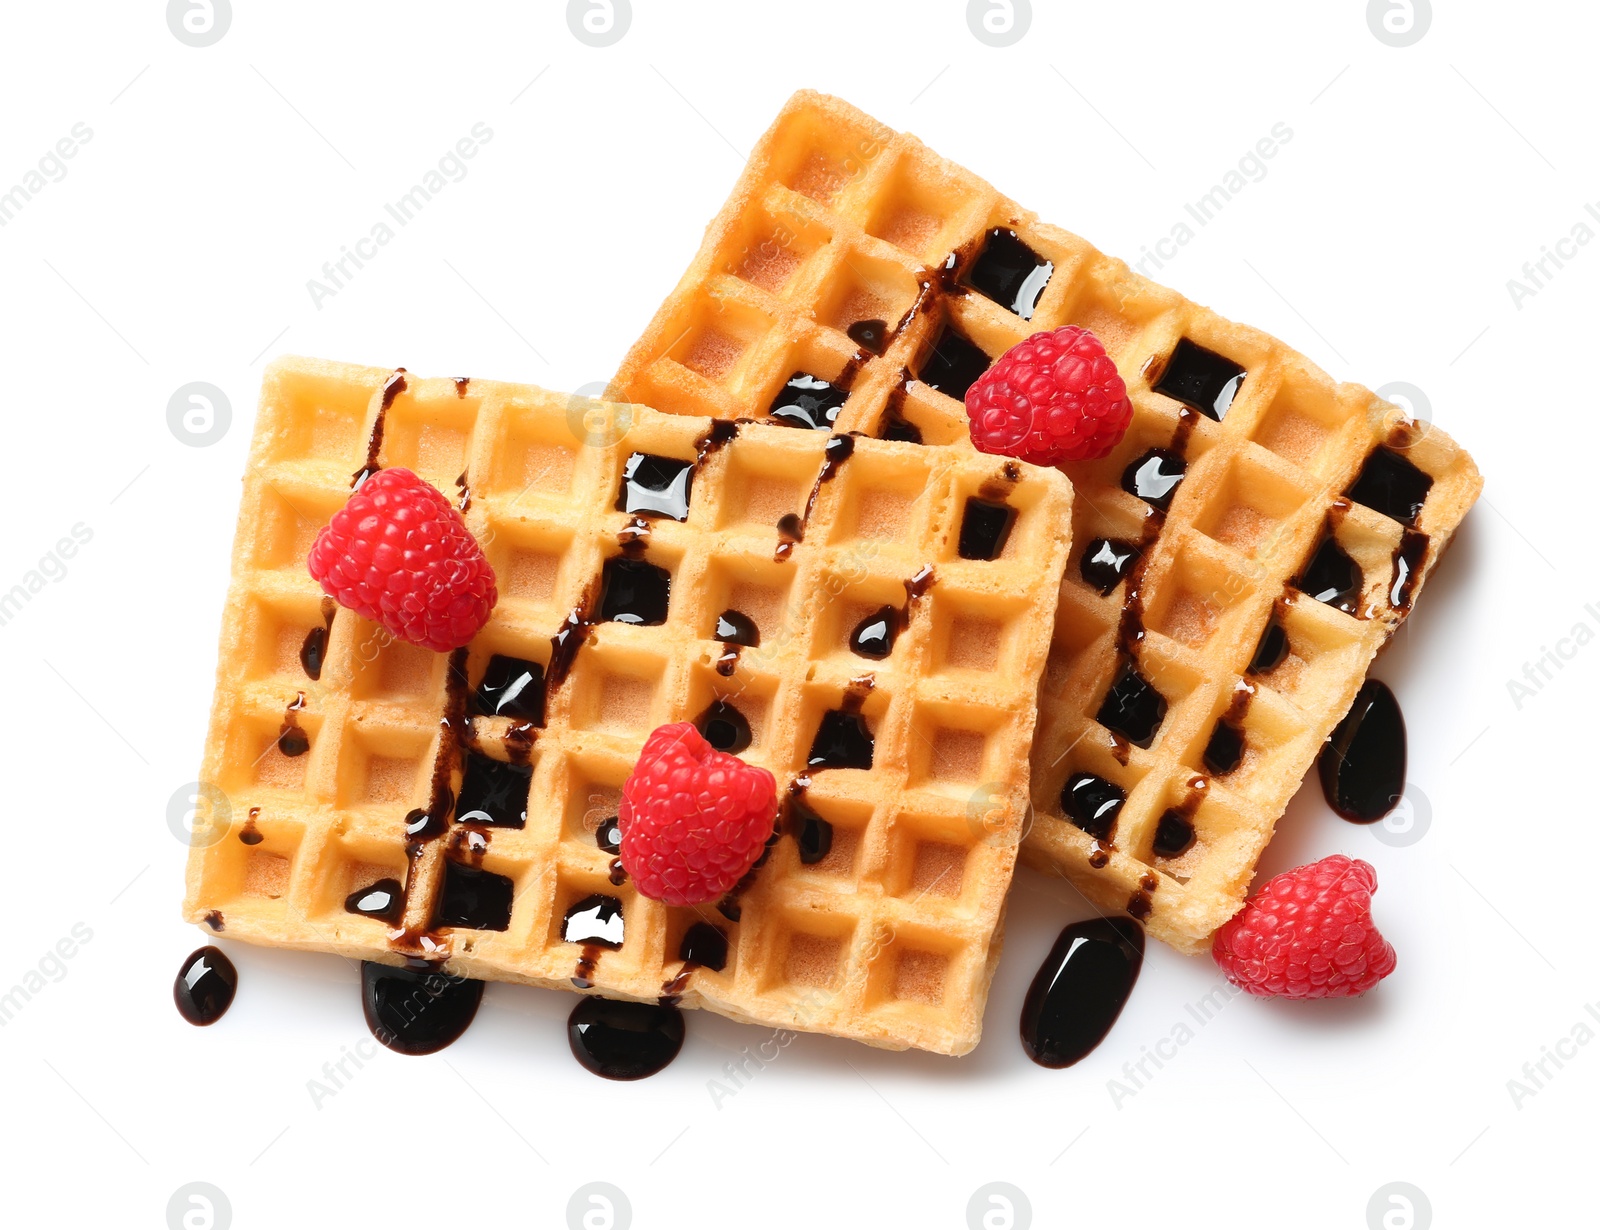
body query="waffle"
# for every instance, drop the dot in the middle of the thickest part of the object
(876, 913)
(838, 220)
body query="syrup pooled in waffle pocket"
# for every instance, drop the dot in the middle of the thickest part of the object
(1238, 560)
(868, 620)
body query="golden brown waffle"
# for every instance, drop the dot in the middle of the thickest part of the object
(839, 220)
(890, 938)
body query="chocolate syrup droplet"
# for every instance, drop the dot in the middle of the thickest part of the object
(634, 592)
(655, 485)
(843, 741)
(1093, 804)
(1391, 485)
(1154, 477)
(383, 899)
(874, 636)
(735, 628)
(597, 919)
(1133, 708)
(1080, 990)
(417, 1011)
(808, 401)
(1106, 561)
(704, 946)
(1332, 577)
(724, 727)
(314, 649)
(1009, 272)
(494, 792)
(871, 335)
(1174, 834)
(1271, 650)
(511, 688)
(812, 834)
(609, 835)
(1200, 378)
(985, 527)
(205, 985)
(1225, 749)
(624, 1041)
(1363, 764)
(475, 899)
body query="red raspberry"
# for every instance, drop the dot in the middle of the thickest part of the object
(398, 554)
(1308, 934)
(1051, 398)
(693, 819)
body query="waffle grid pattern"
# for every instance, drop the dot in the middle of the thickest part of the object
(838, 219)
(892, 938)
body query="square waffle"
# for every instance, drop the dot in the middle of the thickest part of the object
(855, 255)
(876, 914)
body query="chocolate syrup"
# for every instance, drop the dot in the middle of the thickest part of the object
(617, 873)
(874, 636)
(596, 920)
(425, 825)
(919, 584)
(1174, 834)
(736, 628)
(475, 899)
(511, 688)
(314, 649)
(985, 527)
(720, 433)
(1154, 476)
(624, 1041)
(292, 741)
(383, 899)
(1408, 560)
(417, 1011)
(657, 486)
(1080, 990)
(250, 835)
(953, 365)
(1106, 561)
(1133, 708)
(1271, 649)
(1139, 903)
(564, 646)
(633, 591)
(724, 727)
(812, 834)
(1009, 272)
(870, 335)
(1225, 750)
(894, 425)
(1391, 485)
(1332, 577)
(461, 383)
(808, 401)
(1093, 804)
(392, 388)
(791, 532)
(494, 793)
(1201, 379)
(205, 985)
(213, 919)
(608, 835)
(465, 502)
(1363, 764)
(704, 947)
(843, 741)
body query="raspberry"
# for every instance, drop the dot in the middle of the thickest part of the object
(1051, 398)
(398, 554)
(1308, 934)
(693, 819)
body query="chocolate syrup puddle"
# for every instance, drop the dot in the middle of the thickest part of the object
(724, 727)
(871, 335)
(1363, 764)
(1106, 561)
(1271, 649)
(874, 635)
(392, 388)
(417, 1012)
(382, 899)
(736, 631)
(1225, 750)
(314, 649)
(624, 1041)
(205, 986)
(1093, 804)
(812, 834)
(1080, 990)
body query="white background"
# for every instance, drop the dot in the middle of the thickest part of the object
(177, 248)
